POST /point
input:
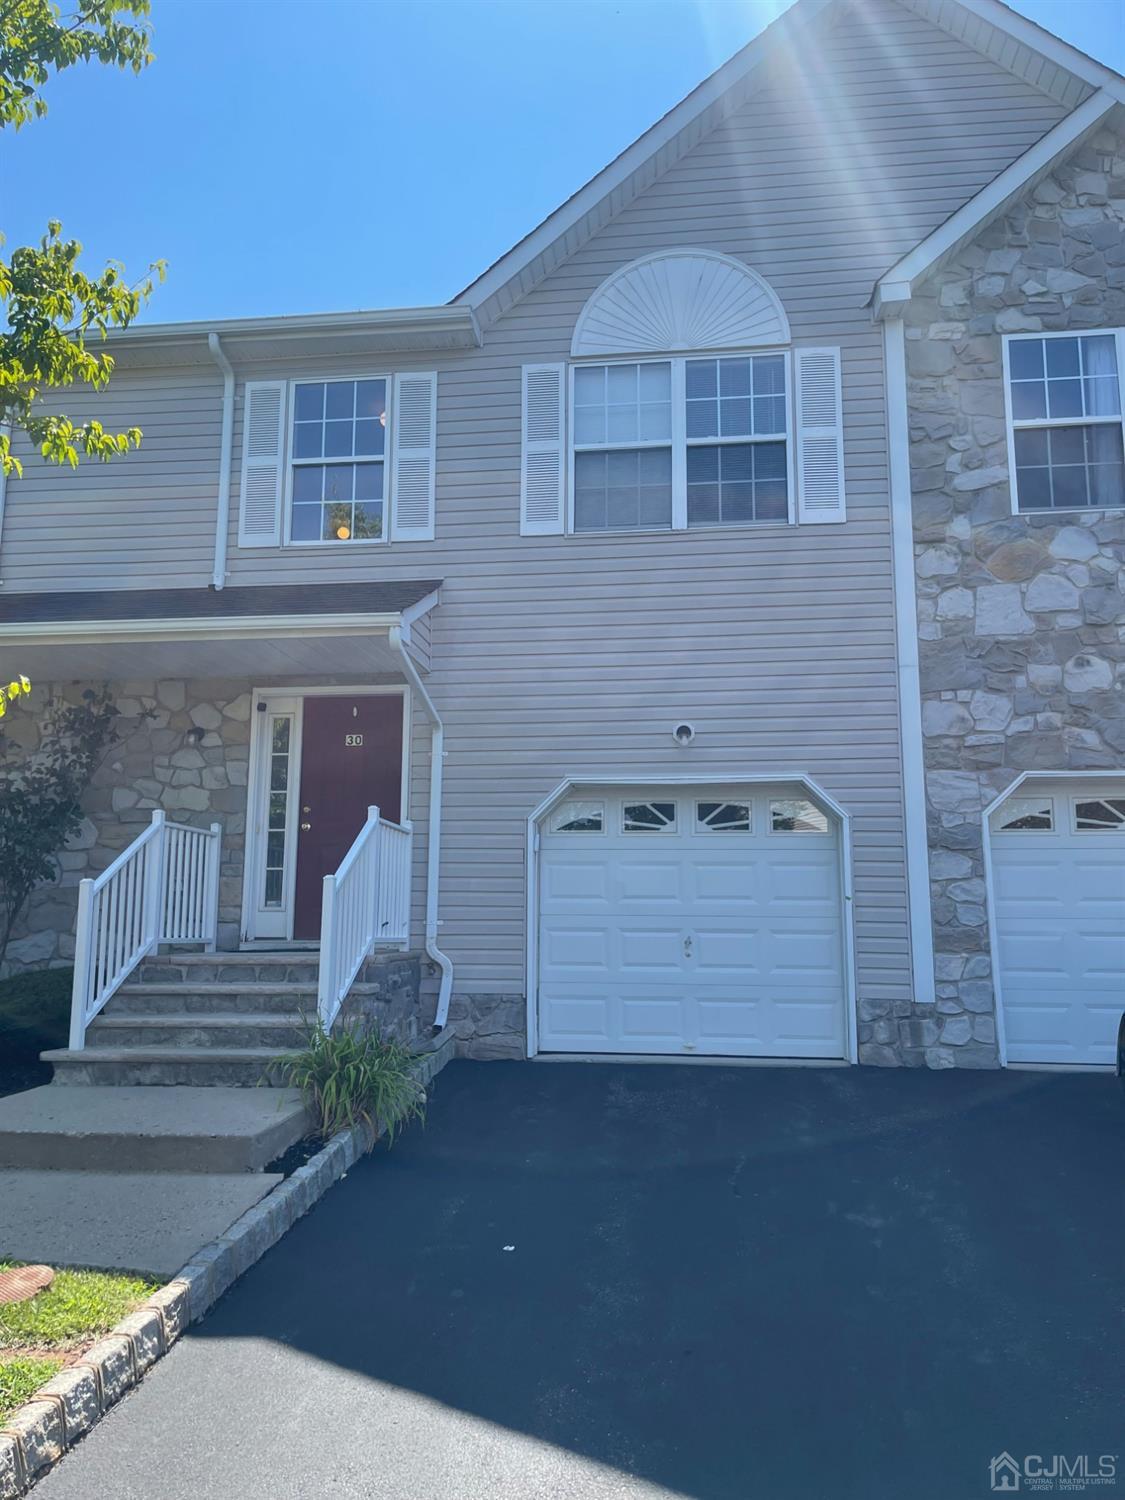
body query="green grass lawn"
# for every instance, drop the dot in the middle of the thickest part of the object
(21, 1378)
(74, 1311)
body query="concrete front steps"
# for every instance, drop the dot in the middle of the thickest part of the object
(211, 1130)
(199, 1020)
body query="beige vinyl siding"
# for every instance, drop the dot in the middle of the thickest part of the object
(135, 522)
(419, 645)
(558, 656)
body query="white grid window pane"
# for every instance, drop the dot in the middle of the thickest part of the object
(1064, 379)
(341, 420)
(742, 396)
(1066, 468)
(622, 404)
(623, 489)
(732, 484)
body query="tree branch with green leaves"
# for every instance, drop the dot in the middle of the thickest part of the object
(52, 308)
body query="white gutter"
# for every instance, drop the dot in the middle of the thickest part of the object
(909, 686)
(221, 627)
(222, 508)
(433, 838)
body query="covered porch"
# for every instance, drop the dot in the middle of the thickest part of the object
(258, 795)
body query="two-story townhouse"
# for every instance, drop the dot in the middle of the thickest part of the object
(653, 589)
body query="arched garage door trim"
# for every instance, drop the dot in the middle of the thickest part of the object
(989, 882)
(792, 778)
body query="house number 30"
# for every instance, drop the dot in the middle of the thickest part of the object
(353, 739)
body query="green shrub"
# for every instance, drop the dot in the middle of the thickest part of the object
(34, 1013)
(346, 1077)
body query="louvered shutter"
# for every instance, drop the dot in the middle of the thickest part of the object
(263, 464)
(543, 463)
(820, 437)
(415, 458)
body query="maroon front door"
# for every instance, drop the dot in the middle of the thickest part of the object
(351, 759)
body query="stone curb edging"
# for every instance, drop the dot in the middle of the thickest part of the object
(71, 1402)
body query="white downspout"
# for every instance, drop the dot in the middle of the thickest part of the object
(909, 686)
(433, 838)
(222, 511)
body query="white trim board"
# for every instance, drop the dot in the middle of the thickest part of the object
(991, 28)
(641, 779)
(223, 627)
(989, 891)
(896, 286)
(909, 685)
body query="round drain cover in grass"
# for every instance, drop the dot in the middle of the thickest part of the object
(24, 1282)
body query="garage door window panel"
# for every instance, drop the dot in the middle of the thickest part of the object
(1026, 815)
(796, 815)
(649, 817)
(722, 817)
(1100, 815)
(578, 817)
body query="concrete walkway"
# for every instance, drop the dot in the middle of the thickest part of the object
(135, 1179)
(599, 1281)
(149, 1222)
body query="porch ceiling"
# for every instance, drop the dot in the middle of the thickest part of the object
(259, 633)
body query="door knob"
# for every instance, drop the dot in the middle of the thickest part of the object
(687, 946)
(305, 827)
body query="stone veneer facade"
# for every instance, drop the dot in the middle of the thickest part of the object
(1021, 618)
(183, 747)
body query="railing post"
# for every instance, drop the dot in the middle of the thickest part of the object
(211, 886)
(154, 883)
(83, 959)
(375, 891)
(407, 883)
(326, 983)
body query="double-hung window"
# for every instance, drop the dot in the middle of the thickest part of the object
(673, 443)
(337, 461)
(1066, 420)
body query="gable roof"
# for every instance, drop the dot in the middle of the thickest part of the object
(990, 27)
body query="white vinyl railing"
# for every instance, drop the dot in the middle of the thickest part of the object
(367, 901)
(164, 888)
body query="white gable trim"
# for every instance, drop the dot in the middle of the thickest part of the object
(896, 287)
(680, 299)
(1038, 57)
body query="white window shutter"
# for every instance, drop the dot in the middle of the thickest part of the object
(543, 461)
(263, 464)
(820, 437)
(414, 419)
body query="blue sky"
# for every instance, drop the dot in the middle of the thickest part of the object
(313, 155)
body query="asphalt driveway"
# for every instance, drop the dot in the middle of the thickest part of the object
(592, 1280)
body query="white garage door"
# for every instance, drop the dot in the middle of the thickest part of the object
(1058, 874)
(691, 921)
